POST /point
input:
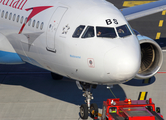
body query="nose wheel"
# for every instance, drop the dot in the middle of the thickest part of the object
(84, 111)
(87, 108)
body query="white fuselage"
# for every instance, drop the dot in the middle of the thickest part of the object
(98, 60)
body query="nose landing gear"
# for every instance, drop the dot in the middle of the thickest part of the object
(87, 108)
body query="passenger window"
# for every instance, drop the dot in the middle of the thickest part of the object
(2, 14)
(10, 16)
(89, 32)
(14, 17)
(106, 32)
(123, 31)
(25, 20)
(6, 15)
(22, 18)
(41, 26)
(37, 25)
(33, 24)
(78, 31)
(18, 17)
(29, 23)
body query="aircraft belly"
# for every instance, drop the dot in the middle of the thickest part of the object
(26, 50)
(13, 38)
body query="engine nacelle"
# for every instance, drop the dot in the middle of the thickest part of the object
(151, 57)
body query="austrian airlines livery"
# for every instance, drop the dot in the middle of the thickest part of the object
(86, 40)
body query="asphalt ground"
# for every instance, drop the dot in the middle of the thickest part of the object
(29, 93)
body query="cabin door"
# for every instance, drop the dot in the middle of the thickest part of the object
(53, 26)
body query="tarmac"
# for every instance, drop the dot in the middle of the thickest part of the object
(29, 93)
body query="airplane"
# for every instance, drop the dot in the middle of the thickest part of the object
(89, 41)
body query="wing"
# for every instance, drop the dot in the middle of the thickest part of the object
(143, 10)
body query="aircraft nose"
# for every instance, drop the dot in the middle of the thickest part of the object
(122, 63)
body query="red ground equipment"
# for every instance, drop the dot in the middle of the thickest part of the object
(114, 109)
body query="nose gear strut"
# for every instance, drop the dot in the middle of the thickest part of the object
(87, 108)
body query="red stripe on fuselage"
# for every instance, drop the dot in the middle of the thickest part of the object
(35, 11)
(22, 28)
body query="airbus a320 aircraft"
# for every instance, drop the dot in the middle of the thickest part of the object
(90, 41)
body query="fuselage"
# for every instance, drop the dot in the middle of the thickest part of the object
(72, 38)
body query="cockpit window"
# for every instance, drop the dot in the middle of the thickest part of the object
(89, 32)
(78, 31)
(105, 32)
(123, 31)
(132, 30)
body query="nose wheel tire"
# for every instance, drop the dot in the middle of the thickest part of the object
(84, 111)
(93, 107)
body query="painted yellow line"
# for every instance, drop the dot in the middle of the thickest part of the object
(142, 97)
(164, 12)
(158, 35)
(134, 3)
(161, 23)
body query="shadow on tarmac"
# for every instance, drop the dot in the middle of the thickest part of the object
(162, 43)
(65, 90)
(136, 82)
